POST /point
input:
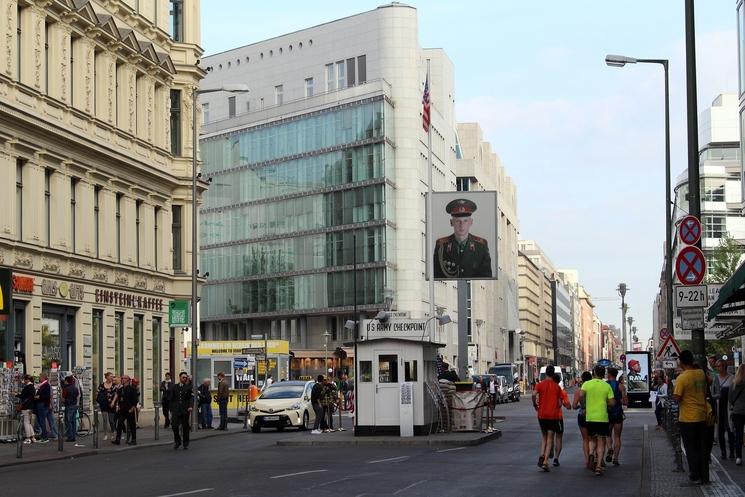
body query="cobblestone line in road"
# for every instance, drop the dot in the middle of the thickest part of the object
(665, 481)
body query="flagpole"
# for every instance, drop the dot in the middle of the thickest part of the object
(430, 240)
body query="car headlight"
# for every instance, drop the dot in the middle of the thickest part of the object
(253, 408)
(509, 389)
(296, 406)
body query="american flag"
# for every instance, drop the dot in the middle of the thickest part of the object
(425, 106)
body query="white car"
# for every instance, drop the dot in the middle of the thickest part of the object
(283, 404)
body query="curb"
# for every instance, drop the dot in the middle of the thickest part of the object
(645, 489)
(111, 450)
(391, 441)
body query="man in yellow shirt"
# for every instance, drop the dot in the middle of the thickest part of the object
(690, 393)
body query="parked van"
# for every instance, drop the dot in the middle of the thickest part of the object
(542, 375)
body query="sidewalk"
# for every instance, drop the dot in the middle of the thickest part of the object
(84, 446)
(666, 481)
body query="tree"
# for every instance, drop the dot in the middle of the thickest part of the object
(725, 259)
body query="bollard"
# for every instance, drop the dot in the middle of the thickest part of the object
(157, 420)
(60, 432)
(95, 427)
(19, 438)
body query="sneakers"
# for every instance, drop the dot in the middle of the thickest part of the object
(540, 461)
(27, 442)
(556, 461)
(609, 455)
(43, 441)
(105, 437)
(316, 432)
(738, 461)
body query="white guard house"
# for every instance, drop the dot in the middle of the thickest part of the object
(394, 360)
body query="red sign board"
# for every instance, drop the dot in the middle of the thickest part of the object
(689, 230)
(690, 266)
(23, 284)
(664, 333)
(669, 349)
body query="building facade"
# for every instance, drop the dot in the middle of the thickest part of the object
(319, 176)
(536, 310)
(563, 326)
(493, 316)
(96, 158)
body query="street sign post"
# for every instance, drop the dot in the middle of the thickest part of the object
(253, 350)
(692, 319)
(690, 266)
(178, 313)
(689, 230)
(664, 333)
(691, 296)
(669, 350)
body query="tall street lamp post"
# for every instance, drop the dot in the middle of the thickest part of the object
(620, 61)
(622, 288)
(231, 88)
(630, 321)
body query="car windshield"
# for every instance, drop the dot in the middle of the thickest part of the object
(283, 392)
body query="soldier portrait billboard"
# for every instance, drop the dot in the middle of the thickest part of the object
(464, 227)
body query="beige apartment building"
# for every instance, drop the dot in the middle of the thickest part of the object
(493, 311)
(95, 153)
(536, 320)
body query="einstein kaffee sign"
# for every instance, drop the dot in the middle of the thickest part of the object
(409, 329)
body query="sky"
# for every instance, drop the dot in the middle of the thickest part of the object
(584, 142)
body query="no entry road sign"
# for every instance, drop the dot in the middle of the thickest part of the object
(689, 230)
(690, 266)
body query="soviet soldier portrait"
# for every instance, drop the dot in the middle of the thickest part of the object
(462, 254)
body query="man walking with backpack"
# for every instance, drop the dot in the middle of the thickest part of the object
(205, 405)
(615, 416)
(43, 405)
(547, 401)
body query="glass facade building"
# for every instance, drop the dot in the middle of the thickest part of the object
(287, 200)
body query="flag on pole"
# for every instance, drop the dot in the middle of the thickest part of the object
(425, 106)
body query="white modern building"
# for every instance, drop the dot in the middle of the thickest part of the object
(327, 148)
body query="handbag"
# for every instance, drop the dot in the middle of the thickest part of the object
(711, 419)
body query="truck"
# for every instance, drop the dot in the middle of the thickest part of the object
(511, 373)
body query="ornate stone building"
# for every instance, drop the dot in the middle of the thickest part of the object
(95, 154)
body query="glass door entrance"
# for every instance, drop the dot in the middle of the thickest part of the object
(57, 338)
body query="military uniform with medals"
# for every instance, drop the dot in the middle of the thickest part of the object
(467, 259)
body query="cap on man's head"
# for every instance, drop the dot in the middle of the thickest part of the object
(460, 207)
(633, 362)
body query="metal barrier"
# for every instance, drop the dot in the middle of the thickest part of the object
(670, 423)
(60, 431)
(96, 412)
(19, 438)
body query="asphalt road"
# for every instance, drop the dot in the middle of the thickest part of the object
(248, 464)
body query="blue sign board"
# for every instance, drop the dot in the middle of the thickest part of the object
(240, 362)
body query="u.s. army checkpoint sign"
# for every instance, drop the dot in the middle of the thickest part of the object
(409, 329)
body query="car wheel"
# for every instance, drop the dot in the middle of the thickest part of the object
(306, 421)
(255, 428)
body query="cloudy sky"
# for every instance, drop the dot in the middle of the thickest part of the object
(583, 141)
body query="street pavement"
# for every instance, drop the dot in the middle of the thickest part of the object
(248, 464)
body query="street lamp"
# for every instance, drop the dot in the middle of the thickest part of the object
(231, 88)
(620, 61)
(622, 288)
(326, 336)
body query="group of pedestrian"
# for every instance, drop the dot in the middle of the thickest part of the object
(324, 397)
(599, 400)
(36, 402)
(118, 399)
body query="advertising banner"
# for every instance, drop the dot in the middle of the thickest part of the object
(464, 228)
(637, 372)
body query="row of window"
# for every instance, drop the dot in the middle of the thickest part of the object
(228, 64)
(295, 254)
(339, 75)
(283, 217)
(119, 218)
(332, 128)
(316, 291)
(126, 113)
(297, 176)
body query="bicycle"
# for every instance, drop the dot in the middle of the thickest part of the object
(84, 426)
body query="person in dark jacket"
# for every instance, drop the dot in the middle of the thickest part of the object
(126, 404)
(223, 395)
(181, 402)
(165, 395)
(43, 405)
(316, 394)
(205, 405)
(26, 400)
(70, 398)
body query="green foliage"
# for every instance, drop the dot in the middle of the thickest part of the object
(717, 347)
(724, 260)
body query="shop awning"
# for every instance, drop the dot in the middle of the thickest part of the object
(732, 295)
